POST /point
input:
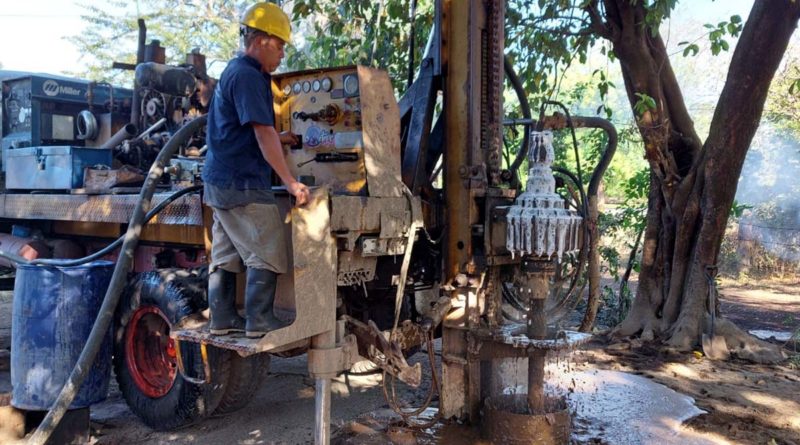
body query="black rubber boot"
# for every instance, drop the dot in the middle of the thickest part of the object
(222, 302)
(259, 300)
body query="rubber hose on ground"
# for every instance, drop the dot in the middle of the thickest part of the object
(109, 306)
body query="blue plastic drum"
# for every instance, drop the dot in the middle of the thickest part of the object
(53, 313)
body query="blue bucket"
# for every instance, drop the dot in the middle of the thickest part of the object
(53, 313)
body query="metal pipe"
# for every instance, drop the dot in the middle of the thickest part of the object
(322, 401)
(152, 128)
(537, 329)
(126, 132)
(519, 121)
(136, 103)
(142, 39)
(322, 395)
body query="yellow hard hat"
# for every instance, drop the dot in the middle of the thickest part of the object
(270, 18)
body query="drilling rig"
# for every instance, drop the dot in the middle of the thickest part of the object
(416, 230)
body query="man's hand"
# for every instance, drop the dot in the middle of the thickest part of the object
(288, 138)
(300, 192)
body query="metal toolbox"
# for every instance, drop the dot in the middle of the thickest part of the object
(51, 168)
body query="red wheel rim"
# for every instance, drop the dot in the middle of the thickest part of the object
(150, 352)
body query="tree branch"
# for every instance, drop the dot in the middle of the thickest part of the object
(600, 27)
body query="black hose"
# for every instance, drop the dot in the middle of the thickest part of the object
(571, 126)
(516, 83)
(576, 179)
(106, 314)
(106, 250)
(113, 246)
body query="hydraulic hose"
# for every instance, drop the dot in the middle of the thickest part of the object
(516, 83)
(111, 299)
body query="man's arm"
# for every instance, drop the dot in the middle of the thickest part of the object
(271, 149)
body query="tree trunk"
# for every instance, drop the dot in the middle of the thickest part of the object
(693, 185)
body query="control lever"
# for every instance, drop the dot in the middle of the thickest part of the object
(331, 157)
(330, 114)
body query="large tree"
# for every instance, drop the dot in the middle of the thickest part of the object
(692, 182)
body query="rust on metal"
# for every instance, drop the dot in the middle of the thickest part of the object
(507, 421)
(385, 353)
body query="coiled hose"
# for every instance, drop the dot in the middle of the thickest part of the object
(111, 299)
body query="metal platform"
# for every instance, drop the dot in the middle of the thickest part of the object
(195, 330)
(236, 342)
(106, 208)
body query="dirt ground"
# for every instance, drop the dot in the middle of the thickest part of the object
(745, 403)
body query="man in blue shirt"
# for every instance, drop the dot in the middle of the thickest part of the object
(244, 148)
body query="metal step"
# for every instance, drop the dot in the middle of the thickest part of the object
(236, 342)
(194, 329)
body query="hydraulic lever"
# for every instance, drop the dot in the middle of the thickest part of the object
(330, 114)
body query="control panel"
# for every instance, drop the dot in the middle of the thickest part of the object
(345, 118)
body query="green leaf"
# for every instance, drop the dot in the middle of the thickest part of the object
(693, 49)
(644, 104)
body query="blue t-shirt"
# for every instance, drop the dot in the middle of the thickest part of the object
(242, 97)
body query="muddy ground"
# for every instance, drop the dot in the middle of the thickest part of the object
(745, 403)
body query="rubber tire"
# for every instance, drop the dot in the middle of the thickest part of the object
(246, 376)
(177, 293)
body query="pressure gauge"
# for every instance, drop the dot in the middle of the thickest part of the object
(287, 90)
(350, 85)
(306, 86)
(327, 84)
(296, 88)
(315, 85)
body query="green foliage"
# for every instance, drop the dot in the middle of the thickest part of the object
(366, 32)
(544, 39)
(657, 12)
(326, 33)
(783, 103)
(644, 104)
(716, 36)
(738, 209)
(111, 33)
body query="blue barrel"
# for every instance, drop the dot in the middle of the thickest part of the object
(53, 313)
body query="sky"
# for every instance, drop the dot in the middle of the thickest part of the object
(33, 32)
(32, 35)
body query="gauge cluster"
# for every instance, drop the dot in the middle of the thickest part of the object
(323, 108)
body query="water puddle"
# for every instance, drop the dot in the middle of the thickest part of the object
(767, 335)
(621, 408)
(608, 407)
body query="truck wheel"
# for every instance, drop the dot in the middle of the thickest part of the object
(247, 374)
(145, 358)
